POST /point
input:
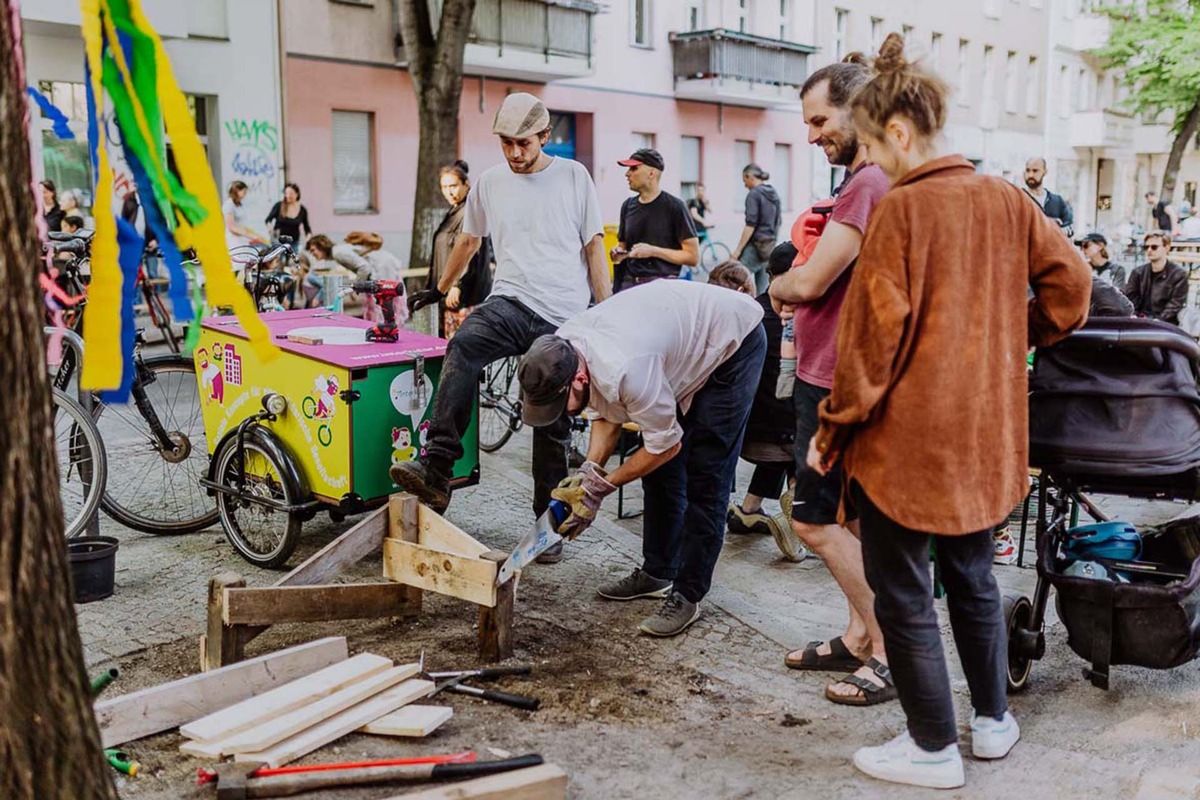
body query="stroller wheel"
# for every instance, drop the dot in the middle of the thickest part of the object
(1018, 616)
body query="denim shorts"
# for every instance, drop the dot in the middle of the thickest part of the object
(816, 497)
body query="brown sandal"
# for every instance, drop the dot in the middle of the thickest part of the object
(837, 659)
(870, 693)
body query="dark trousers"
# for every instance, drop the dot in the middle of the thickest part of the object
(897, 567)
(768, 479)
(686, 498)
(497, 328)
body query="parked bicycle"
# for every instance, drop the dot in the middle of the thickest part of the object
(267, 273)
(499, 404)
(712, 253)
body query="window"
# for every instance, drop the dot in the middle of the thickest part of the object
(1064, 91)
(1081, 100)
(876, 34)
(781, 175)
(1033, 80)
(785, 13)
(906, 32)
(1010, 83)
(207, 19)
(989, 73)
(991, 8)
(743, 154)
(643, 141)
(695, 15)
(66, 161)
(690, 149)
(839, 33)
(961, 70)
(743, 15)
(353, 162)
(935, 51)
(1189, 193)
(640, 20)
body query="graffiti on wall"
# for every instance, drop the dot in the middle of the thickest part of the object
(255, 149)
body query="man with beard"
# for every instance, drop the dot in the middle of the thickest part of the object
(812, 293)
(1051, 204)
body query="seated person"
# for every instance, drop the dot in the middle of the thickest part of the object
(318, 261)
(1158, 289)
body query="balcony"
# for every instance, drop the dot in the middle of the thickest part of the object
(1090, 32)
(1153, 139)
(721, 66)
(525, 40)
(62, 17)
(1102, 129)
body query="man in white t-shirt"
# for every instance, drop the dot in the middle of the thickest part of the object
(544, 219)
(682, 361)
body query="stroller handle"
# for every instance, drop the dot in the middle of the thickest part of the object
(1177, 341)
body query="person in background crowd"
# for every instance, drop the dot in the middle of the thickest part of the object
(675, 358)
(476, 283)
(1158, 289)
(698, 208)
(903, 322)
(1095, 250)
(381, 265)
(289, 217)
(733, 275)
(763, 215)
(1189, 226)
(69, 202)
(770, 441)
(656, 236)
(238, 232)
(52, 213)
(72, 224)
(812, 295)
(1162, 214)
(320, 260)
(1051, 204)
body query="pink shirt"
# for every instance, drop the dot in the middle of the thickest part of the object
(816, 322)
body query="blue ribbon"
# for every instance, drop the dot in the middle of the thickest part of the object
(61, 128)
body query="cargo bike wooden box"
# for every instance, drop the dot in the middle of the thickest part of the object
(315, 429)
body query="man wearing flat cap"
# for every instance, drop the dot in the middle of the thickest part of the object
(544, 218)
(681, 360)
(656, 235)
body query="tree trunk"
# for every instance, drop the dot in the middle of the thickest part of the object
(435, 60)
(49, 744)
(1187, 132)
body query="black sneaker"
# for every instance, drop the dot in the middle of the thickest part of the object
(428, 482)
(635, 585)
(739, 521)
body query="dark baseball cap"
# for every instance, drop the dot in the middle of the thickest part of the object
(646, 157)
(1098, 238)
(545, 374)
(781, 258)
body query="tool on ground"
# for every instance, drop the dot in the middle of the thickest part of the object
(454, 678)
(484, 674)
(101, 681)
(234, 781)
(385, 292)
(204, 776)
(121, 762)
(543, 536)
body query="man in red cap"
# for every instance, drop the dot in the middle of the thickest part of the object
(656, 236)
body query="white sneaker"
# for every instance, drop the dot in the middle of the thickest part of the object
(991, 738)
(1005, 546)
(902, 761)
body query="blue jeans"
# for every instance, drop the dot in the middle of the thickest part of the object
(687, 497)
(757, 266)
(498, 327)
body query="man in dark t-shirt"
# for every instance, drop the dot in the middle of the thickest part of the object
(656, 236)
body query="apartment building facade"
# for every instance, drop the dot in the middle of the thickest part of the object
(709, 83)
(225, 57)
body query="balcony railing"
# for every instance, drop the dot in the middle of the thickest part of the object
(1102, 129)
(728, 55)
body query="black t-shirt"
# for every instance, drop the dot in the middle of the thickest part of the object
(1161, 217)
(663, 222)
(701, 212)
(289, 226)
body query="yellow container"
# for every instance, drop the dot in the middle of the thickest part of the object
(610, 241)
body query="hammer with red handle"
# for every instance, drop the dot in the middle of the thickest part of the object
(204, 776)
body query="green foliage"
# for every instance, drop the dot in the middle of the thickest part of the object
(1156, 44)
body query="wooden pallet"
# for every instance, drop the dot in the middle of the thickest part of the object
(422, 551)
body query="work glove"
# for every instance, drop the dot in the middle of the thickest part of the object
(583, 492)
(425, 297)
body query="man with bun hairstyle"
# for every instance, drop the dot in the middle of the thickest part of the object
(929, 407)
(543, 217)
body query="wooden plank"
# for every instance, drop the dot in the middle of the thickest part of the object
(290, 696)
(439, 533)
(277, 604)
(544, 782)
(340, 724)
(273, 731)
(495, 624)
(470, 579)
(222, 644)
(169, 705)
(415, 721)
(351, 547)
(404, 510)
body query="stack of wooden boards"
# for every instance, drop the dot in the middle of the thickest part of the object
(292, 720)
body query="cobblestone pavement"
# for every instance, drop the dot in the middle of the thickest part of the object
(1141, 739)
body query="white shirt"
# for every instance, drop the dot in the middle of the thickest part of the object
(649, 349)
(241, 218)
(1190, 227)
(539, 224)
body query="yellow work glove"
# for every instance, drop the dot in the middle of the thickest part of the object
(583, 492)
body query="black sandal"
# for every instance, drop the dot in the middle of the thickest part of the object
(870, 693)
(837, 659)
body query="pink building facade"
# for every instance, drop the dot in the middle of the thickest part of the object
(350, 110)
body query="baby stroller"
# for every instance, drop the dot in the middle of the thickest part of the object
(1113, 409)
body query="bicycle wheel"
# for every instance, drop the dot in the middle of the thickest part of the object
(262, 535)
(499, 404)
(82, 464)
(158, 439)
(711, 254)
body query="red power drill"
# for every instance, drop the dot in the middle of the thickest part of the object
(385, 292)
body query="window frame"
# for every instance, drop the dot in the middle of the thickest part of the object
(372, 204)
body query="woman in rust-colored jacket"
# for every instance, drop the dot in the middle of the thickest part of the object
(929, 409)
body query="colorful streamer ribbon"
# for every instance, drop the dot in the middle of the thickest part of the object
(127, 63)
(53, 113)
